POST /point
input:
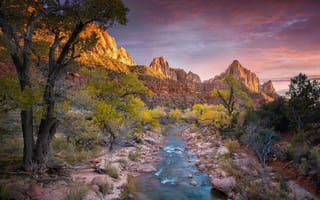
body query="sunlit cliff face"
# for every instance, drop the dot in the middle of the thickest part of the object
(275, 39)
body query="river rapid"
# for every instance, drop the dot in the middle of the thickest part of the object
(177, 177)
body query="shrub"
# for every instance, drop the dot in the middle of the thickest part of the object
(4, 193)
(123, 162)
(70, 152)
(77, 191)
(112, 171)
(287, 149)
(105, 188)
(232, 145)
(129, 188)
(299, 138)
(230, 168)
(134, 155)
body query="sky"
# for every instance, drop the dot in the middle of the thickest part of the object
(276, 39)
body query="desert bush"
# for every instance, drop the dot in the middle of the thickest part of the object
(129, 189)
(78, 191)
(232, 145)
(287, 149)
(175, 115)
(134, 155)
(123, 162)
(315, 163)
(72, 153)
(230, 168)
(112, 171)
(299, 137)
(105, 188)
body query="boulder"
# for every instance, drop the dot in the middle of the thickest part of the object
(222, 150)
(193, 182)
(150, 141)
(224, 185)
(98, 180)
(145, 168)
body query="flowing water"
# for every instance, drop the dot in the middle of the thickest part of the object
(172, 181)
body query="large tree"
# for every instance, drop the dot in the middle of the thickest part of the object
(304, 101)
(60, 22)
(230, 96)
(115, 104)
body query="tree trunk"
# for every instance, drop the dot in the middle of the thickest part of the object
(28, 142)
(264, 172)
(47, 128)
(26, 115)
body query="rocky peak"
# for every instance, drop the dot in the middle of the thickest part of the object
(268, 88)
(244, 76)
(106, 45)
(193, 77)
(161, 65)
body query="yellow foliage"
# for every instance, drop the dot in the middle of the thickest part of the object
(175, 114)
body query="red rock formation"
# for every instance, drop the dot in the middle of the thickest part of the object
(244, 76)
(161, 65)
(106, 45)
(268, 89)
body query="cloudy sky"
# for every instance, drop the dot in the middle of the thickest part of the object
(276, 39)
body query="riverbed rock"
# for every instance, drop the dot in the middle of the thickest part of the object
(224, 185)
(98, 180)
(150, 141)
(190, 175)
(193, 182)
(145, 168)
(299, 192)
(222, 150)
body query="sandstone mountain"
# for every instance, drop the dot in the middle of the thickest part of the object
(172, 87)
(268, 89)
(105, 52)
(161, 65)
(177, 84)
(244, 76)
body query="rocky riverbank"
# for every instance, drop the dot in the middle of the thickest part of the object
(104, 178)
(235, 170)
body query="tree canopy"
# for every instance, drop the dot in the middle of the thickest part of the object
(59, 23)
(304, 101)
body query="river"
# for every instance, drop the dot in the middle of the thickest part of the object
(172, 181)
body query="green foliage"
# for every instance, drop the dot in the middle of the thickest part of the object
(116, 106)
(59, 23)
(232, 98)
(9, 92)
(275, 114)
(82, 132)
(215, 116)
(304, 102)
(112, 171)
(72, 152)
(11, 96)
(298, 138)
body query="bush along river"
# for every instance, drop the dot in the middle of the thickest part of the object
(176, 178)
